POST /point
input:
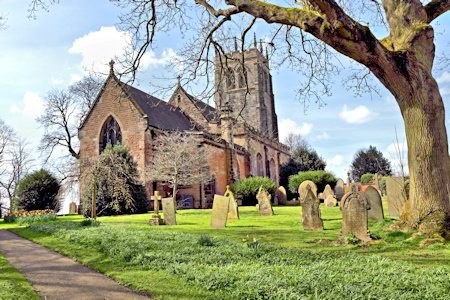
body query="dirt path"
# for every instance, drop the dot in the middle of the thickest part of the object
(55, 276)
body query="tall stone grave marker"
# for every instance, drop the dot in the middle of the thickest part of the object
(395, 195)
(354, 206)
(265, 207)
(339, 189)
(220, 211)
(328, 191)
(311, 219)
(155, 218)
(169, 211)
(302, 191)
(330, 201)
(376, 206)
(72, 208)
(281, 195)
(233, 211)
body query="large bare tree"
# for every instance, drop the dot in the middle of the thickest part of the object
(304, 32)
(178, 159)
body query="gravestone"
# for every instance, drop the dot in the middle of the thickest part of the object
(169, 211)
(395, 195)
(376, 206)
(155, 219)
(265, 207)
(281, 195)
(354, 207)
(339, 188)
(330, 201)
(220, 211)
(233, 212)
(72, 208)
(321, 196)
(355, 184)
(327, 191)
(311, 219)
(187, 201)
(302, 189)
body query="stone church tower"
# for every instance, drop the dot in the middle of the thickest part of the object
(257, 107)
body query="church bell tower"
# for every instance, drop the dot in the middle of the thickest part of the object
(257, 106)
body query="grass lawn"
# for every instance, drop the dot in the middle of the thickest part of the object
(13, 285)
(125, 248)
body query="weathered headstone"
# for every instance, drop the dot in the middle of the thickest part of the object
(357, 185)
(354, 206)
(311, 219)
(169, 211)
(220, 211)
(281, 195)
(321, 196)
(72, 208)
(330, 201)
(233, 211)
(395, 195)
(376, 206)
(302, 189)
(328, 191)
(339, 188)
(265, 207)
(155, 219)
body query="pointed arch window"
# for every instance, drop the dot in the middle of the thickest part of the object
(111, 134)
(231, 84)
(242, 77)
(259, 165)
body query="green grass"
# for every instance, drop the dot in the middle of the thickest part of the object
(392, 253)
(13, 285)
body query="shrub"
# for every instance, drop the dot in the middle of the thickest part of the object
(351, 239)
(205, 240)
(247, 189)
(38, 191)
(367, 178)
(320, 178)
(89, 222)
(118, 190)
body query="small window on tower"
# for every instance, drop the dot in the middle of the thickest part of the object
(231, 80)
(178, 100)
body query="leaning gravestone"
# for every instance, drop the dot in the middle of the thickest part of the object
(354, 206)
(265, 207)
(169, 211)
(302, 189)
(220, 211)
(233, 212)
(339, 188)
(330, 201)
(376, 206)
(311, 219)
(281, 195)
(327, 191)
(395, 195)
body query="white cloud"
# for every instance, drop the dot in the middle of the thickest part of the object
(74, 79)
(359, 115)
(445, 77)
(15, 109)
(56, 80)
(394, 148)
(338, 160)
(287, 126)
(323, 136)
(389, 99)
(34, 105)
(99, 47)
(444, 91)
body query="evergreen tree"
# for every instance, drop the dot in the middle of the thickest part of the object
(369, 161)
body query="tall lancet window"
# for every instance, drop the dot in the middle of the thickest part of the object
(111, 134)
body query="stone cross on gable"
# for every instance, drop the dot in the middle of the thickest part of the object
(156, 198)
(111, 67)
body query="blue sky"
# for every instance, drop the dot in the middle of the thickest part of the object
(55, 49)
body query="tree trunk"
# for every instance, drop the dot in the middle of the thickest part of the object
(428, 158)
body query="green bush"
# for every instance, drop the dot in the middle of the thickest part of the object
(367, 178)
(118, 190)
(247, 189)
(38, 191)
(320, 178)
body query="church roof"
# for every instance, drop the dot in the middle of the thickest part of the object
(159, 113)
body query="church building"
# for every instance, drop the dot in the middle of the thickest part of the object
(244, 138)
